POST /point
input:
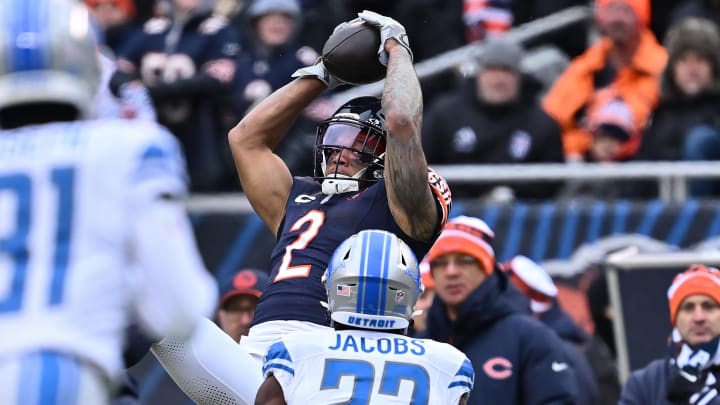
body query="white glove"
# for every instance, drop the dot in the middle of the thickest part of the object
(318, 71)
(389, 28)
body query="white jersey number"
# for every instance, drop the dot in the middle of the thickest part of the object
(315, 220)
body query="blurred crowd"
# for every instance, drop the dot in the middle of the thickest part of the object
(640, 81)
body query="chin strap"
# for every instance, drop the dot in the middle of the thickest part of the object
(339, 186)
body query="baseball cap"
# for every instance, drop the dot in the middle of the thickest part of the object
(244, 282)
(697, 279)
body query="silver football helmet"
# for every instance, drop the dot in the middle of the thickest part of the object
(373, 282)
(49, 54)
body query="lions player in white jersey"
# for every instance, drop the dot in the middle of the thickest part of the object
(372, 284)
(92, 225)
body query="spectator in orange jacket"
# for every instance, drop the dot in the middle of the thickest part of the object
(627, 61)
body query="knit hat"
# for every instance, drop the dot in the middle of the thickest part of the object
(466, 235)
(501, 52)
(691, 33)
(697, 279)
(615, 118)
(640, 7)
(533, 281)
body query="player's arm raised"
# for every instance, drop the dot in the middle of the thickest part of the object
(411, 200)
(265, 178)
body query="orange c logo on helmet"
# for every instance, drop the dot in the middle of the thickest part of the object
(498, 368)
(245, 279)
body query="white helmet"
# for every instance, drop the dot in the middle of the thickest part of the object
(373, 281)
(48, 54)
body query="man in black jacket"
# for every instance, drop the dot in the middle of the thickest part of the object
(494, 118)
(517, 359)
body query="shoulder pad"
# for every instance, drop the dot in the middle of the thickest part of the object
(156, 25)
(442, 194)
(213, 24)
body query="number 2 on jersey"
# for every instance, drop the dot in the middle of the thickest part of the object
(15, 245)
(315, 219)
(363, 374)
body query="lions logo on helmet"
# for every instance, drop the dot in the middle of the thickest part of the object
(373, 282)
(49, 54)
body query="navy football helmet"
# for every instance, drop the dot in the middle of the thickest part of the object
(357, 126)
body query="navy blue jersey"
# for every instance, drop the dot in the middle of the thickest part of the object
(314, 226)
(188, 68)
(204, 45)
(258, 74)
(202, 39)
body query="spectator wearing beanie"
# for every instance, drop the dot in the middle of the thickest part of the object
(612, 126)
(272, 51)
(627, 61)
(186, 59)
(517, 359)
(495, 117)
(686, 124)
(691, 374)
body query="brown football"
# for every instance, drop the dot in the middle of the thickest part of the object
(351, 54)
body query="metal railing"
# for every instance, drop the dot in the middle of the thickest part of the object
(671, 177)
